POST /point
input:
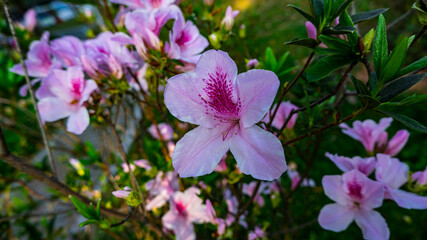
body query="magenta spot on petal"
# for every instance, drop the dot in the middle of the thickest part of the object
(76, 89)
(184, 38)
(219, 102)
(156, 3)
(180, 208)
(355, 190)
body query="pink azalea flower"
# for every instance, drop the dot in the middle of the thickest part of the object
(123, 193)
(39, 62)
(171, 147)
(345, 164)
(69, 92)
(161, 188)
(285, 108)
(145, 26)
(252, 63)
(420, 177)
(394, 173)
(232, 207)
(143, 163)
(228, 20)
(166, 131)
(212, 218)
(296, 178)
(356, 196)
(258, 233)
(367, 132)
(108, 55)
(249, 189)
(30, 19)
(68, 50)
(222, 165)
(226, 106)
(185, 209)
(395, 144)
(146, 4)
(186, 42)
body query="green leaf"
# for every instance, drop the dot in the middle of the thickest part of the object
(421, 63)
(308, 42)
(82, 208)
(411, 100)
(98, 209)
(336, 44)
(399, 86)
(342, 8)
(325, 66)
(369, 101)
(286, 71)
(360, 86)
(380, 46)
(282, 60)
(364, 16)
(87, 222)
(270, 59)
(318, 8)
(395, 61)
(304, 14)
(409, 122)
(338, 30)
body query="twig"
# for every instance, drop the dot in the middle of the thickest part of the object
(294, 229)
(30, 89)
(242, 210)
(124, 220)
(31, 215)
(419, 34)
(288, 88)
(399, 19)
(109, 14)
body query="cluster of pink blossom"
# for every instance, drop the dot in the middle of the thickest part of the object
(356, 195)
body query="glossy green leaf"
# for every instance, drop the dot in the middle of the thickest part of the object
(421, 63)
(308, 42)
(84, 210)
(270, 59)
(87, 222)
(304, 14)
(369, 101)
(318, 8)
(399, 86)
(364, 16)
(409, 122)
(338, 30)
(360, 86)
(325, 66)
(395, 61)
(336, 43)
(411, 100)
(342, 8)
(380, 46)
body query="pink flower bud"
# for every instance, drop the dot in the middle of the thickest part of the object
(123, 193)
(115, 67)
(30, 19)
(228, 21)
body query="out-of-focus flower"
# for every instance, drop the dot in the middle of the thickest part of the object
(296, 178)
(367, 132)
(394, 173)
(78, 166)
(252, 63)
(356, 196)
(226, 106)
(127, 168)
(185, 209)
(166, 131)
(186, 42)
(232, 207)
(143, 163)
(395, 144)
(311, 30)
(69, 92)
(420, 177)
(208, 2)
(161, 188)
(228, 21)
(249, 190)
(345, 164)
(30, 19)
(146, 4)
(123, 193)
(258, 233)
(222, 165)
(171, 147)
(39, 62)
(68, 50)
(212, 218)
(285, 109)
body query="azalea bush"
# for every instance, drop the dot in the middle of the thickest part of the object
(167, 121)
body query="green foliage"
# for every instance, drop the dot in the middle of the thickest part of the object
(326, 65)
(92, 215)
(365, 16)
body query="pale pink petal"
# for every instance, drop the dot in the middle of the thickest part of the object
(257, 89)
(368, 193)
(397, 143)
(90, 86)
(332, 185)
(157, 201)
(408, 200)
(335, 217)
(391, 171)
(189, 160)
(258, 153)
(373, 225)
(78, 122)
(52, 109)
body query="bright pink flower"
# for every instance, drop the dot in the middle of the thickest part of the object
(285, 109)
(229, 17)
(166, 131)
(420, 177)
(345, 164)
(394, 173)
(145, 26)
(252, 63)
(161, 188)
(356, 196)
(249, 189)
(367, 132)
(69, 92)
(311, 30)
(30, 19)
(397, 143)
(226, 106)
(185, 209)
(39, 62)
(258, 233)
(186, 42)
(68, 50)
(146, 4)
(122, 193)
(143, 163)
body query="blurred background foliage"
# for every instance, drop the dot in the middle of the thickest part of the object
(267, 24)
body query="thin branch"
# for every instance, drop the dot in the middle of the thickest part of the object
(30, 89)
(242, 210)
(31, 215)
(419, 35)
(399, 19)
